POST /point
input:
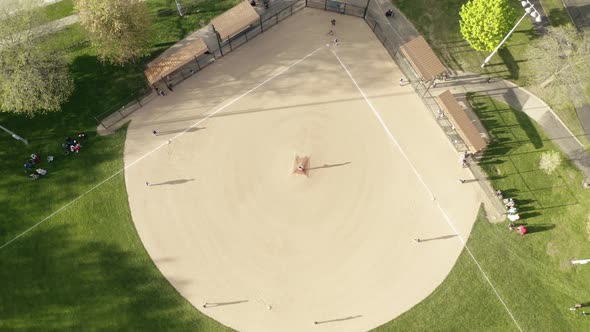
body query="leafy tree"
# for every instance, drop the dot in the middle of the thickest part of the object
(32, 80)
(561, 59)
(119, 29)
(484, 23)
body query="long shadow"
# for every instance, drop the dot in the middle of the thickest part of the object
(539, 228)
(171, 182)
(258, 110)
(190, 130)
(525, 122)
(439, 238)
(219, 304)
(528, 215)
(337, 319)
(510, 62)
(329, 166)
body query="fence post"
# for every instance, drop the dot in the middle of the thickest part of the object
(325, 4)
(261, 28)
(197, 61)
(218, 37)
(366, 8)
(277, 16)
(305, 3)
(100, 122)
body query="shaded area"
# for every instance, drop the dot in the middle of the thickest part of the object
(579, 12)
(59, 278)
(510, 62)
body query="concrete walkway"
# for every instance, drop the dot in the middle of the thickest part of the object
(522, 100)
(56, 25)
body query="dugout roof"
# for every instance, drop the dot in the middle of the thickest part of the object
(463, 125)
(175, 60)
(235, 20)
(423, 59)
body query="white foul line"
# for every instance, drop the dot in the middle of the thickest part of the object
(157, 148)
(446, 217)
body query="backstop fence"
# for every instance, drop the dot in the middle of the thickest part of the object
(268, 19)
(393, 32)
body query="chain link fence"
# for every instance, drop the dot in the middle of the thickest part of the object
(394, 32)
(137, 100)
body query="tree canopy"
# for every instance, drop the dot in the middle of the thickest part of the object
(484, 23)
(118, 29)
(32, 80)
(561, 59)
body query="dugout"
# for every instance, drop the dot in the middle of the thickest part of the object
(179, 65)
(461, 122)
(234, 25)
(423, 60)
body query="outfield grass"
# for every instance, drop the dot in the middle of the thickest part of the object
(531, 273)
(84, 269)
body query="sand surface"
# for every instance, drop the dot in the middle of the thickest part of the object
(226, 220)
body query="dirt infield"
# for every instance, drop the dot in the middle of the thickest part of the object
(228, 222)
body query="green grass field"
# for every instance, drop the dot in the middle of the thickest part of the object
(84, 269)
(59, 10)
(531, 273)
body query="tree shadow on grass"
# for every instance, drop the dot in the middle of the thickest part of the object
(53, 279)
(510, 62)
(558, 17)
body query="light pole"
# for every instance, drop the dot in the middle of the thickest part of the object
(529, 9)
(15, 136)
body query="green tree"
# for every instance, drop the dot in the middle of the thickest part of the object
(484, 23)
(561, 59)
(32, 80)
(118, 29)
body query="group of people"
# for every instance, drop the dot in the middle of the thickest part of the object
(463, 159)
(72, 145)
(30, 165)
(512, 211)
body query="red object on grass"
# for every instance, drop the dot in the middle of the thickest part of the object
(522, 230)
